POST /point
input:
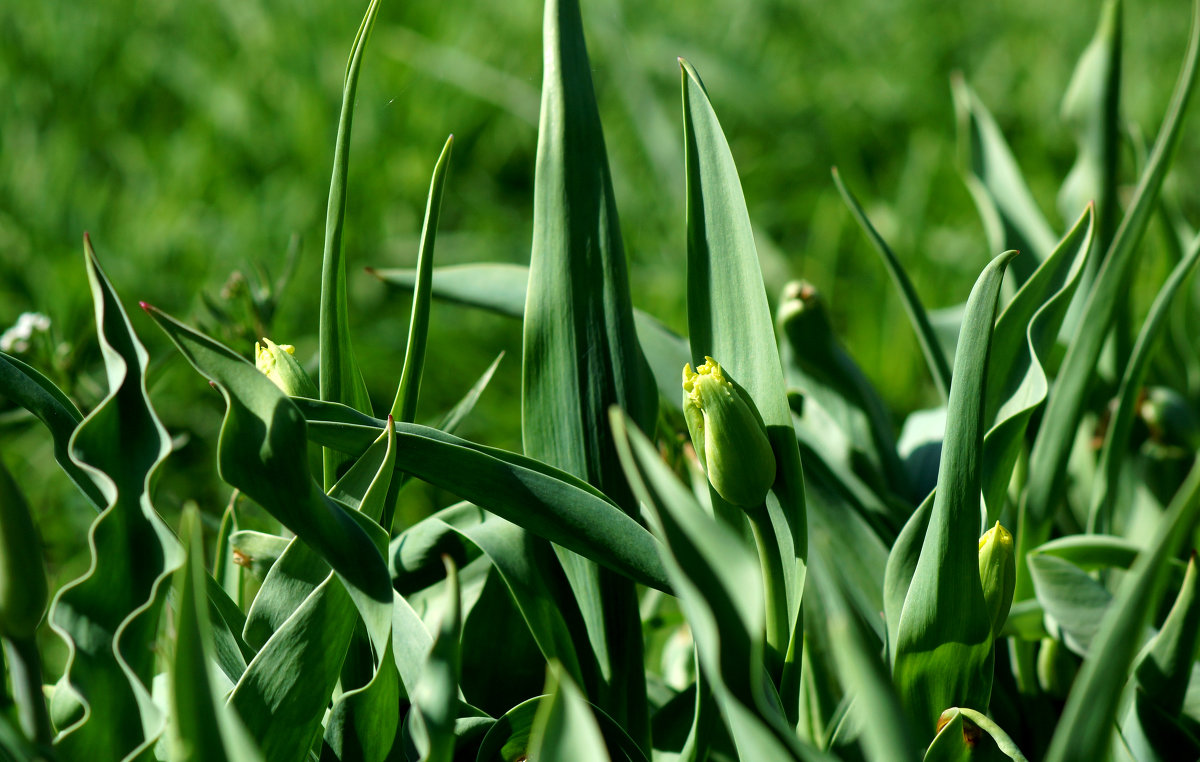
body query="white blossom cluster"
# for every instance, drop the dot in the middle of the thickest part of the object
(16, 339)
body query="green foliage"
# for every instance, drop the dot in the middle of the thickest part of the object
(796, 583)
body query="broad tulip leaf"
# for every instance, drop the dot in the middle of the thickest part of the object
(944, 642)
(581, 351)
(564, 726)
(997, 184)
(729, 319)
(1024, 335)
(720, 592)
(1091, 107)
(544, 500)
(263, 452)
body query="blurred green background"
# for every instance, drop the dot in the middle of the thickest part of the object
(194, 139)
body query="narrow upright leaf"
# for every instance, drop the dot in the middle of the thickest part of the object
(1047, 475)
(341, 380)
(926, 337)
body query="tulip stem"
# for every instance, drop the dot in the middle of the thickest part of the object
(25, 668)
(778, 631)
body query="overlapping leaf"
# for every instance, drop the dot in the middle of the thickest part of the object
(109, 617)
(944, 643)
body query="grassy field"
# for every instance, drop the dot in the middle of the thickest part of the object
(194, 143)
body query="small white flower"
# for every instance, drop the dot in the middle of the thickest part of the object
(16, 339)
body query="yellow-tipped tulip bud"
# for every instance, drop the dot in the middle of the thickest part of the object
(997, 573)
(277, 362)
(728, 434)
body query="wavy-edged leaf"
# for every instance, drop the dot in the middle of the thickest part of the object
(729, 319)
(109, 617)
(939, 368)
(1064, 409)
(27, 387)
(1120, 425)
(1091, 708)
(720, 591)
(944, 643)
(340, 378)
(263, 452)
(1024, 335)
(203, 729)
(549, 503)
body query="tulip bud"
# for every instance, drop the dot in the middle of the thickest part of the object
(276, 361)
(997, 573)
(728, 434)
(23, 589)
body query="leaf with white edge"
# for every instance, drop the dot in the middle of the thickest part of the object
(109, 617)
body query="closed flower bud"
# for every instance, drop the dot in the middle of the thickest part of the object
(23, 589)
(728, 434)
(998, 573)
(276, 361)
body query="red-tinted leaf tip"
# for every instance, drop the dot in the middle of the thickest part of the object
(146, 306)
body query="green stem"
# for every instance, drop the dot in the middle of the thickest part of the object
(25, 668)
(778, 631)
